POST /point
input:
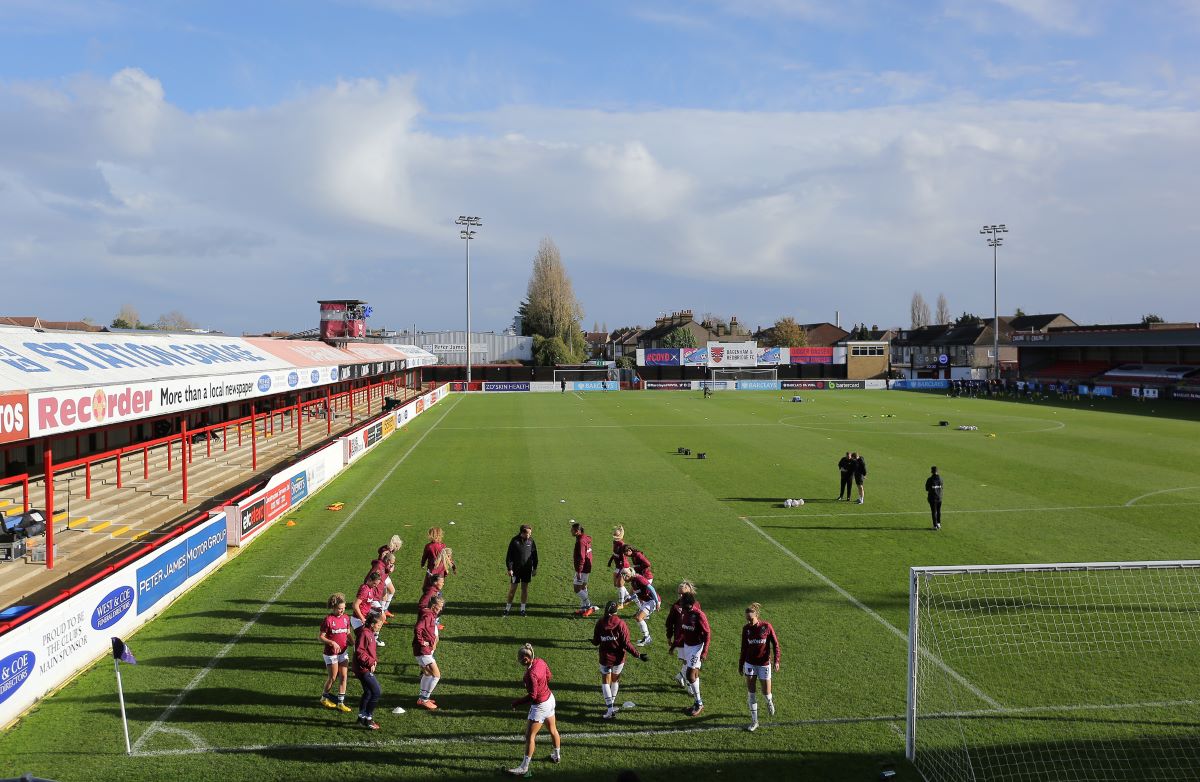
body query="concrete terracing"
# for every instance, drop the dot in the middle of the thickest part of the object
(91, 532)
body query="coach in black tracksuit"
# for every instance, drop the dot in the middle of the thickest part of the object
(521, 562)
(846, 471)
(933, 488)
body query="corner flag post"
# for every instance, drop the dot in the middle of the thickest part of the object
(121, 654)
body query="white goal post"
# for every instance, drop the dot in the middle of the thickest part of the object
(1066, 671)
(744, 373)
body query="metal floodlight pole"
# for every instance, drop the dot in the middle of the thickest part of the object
(466, 234)
(994, 241)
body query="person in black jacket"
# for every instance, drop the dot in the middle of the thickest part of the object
(860, 475)
(521, 562)
(846, 474)
(933, 488)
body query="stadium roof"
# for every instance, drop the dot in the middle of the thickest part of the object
(1128, 335)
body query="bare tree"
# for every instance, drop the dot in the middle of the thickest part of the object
(919, 310)
(943, 316)
(551, 308)
(174, 321)
(127, 318)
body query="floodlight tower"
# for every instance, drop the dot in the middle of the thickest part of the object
(994, 241)
(466, 234)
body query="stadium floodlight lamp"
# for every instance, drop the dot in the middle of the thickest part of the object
(995, 241)
(466, 234)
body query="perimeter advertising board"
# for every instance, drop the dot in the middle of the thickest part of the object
(46, 651)
(732, 354)
(14, 417)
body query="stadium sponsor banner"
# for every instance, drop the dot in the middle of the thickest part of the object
(14, 417)
(769, 357)
(823, 385)
(544, 386)
(521, 385)
(595, 385)
(693, 357)
(1185, 393)
(1102, 391)
(920, 384)
(732, 354)
(660, 357)
(68, 410)
(875, 385)
(30, 359)
(758, 385)
(718, 385)
(668, 385)
(811, 355)
(46, 651)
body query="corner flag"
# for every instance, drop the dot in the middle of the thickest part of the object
(121, 654)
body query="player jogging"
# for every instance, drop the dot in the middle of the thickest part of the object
(393, 546)
(368, 599)
(617, 560)
(434, 590)
(425, 641)
(693, 640)
(432, 559)
(685, 588)
(541, 708)
(760, 652)
(583, 568)
(612, 636)
(365, 659)
(335, 634)
(637, 560)
(647, 601)
(384, 564)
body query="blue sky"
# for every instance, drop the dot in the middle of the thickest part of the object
(755, 157)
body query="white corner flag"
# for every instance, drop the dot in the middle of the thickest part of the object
(121, 654)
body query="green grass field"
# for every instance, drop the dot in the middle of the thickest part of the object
(238, 658)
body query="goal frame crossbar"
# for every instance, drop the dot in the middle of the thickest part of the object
(914, 641)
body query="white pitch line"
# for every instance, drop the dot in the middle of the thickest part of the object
(514, 737)
(227, 648)
(1160, 491)
(958, 677)
(803, 515)
(693, 425)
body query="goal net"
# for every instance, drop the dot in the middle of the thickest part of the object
(1071, 672)
(599, 373)
(744, 373)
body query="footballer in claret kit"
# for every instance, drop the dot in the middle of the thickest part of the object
(425, 643)
(368, 599)
(647, 601)
(685, 588)
(618, 562)
(693, 639)
(335, 635)
(582, 559)
(433, 558)
(366, 657)
(637, 559)
(611, 635)
(541, 707)
(391, 547)
(760, 654)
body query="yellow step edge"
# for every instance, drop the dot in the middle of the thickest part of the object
(124, 529)
(80, 521)
(60, 516)
(141, 534)
(101, 526)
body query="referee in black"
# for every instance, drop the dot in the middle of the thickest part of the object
(846, 472)
(933, 489)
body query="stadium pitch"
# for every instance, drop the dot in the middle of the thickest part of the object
(227, 680)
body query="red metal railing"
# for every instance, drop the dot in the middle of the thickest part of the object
(22, 479)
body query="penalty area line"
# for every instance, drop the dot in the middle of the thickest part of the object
(852, 515)
(958, 677)
(157, 725)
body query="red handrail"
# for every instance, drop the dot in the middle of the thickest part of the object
(22, 479)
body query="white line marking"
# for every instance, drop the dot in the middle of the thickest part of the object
(516, 737)
(1160, 491)
(958, 677)
(227, 648)
(694, 425)
(1055, 426)
(803, 515)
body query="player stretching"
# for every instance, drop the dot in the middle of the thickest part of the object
(693, 639)
(541, 708)
(612, 636)
(393, 546)
(760, 648)
(647, 600)
(617, 560)
(384, 564)
(637, 560)
(335, 634)
(425, 641)
(685, 588)
(434, 560)
(583, 568)
(368, 600)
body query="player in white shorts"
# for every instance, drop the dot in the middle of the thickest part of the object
(760, 652)
(425, 642)
(541, 709)
(647, 600)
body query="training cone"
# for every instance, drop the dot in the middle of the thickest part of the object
(291, 523)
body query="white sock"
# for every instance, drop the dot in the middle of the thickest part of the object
(608, 696)
(433, 682)
(613, 689)
(752, 699)
(508, 606)
(645, 630)
(387, 601)
(522, 606)
(622, 595)
(424, 692)
(584, 600)
(556, 752)
(770, 698)
(696, 691)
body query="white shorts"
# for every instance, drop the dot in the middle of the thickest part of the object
(606, 669)
(762, 672)
(691, 655)
(540, 712)
(355, 623)
(647, 608)
(424, 660)
(388, 583)
(342, 658)
(581, 579)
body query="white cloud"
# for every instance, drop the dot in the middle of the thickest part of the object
(342, 191)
